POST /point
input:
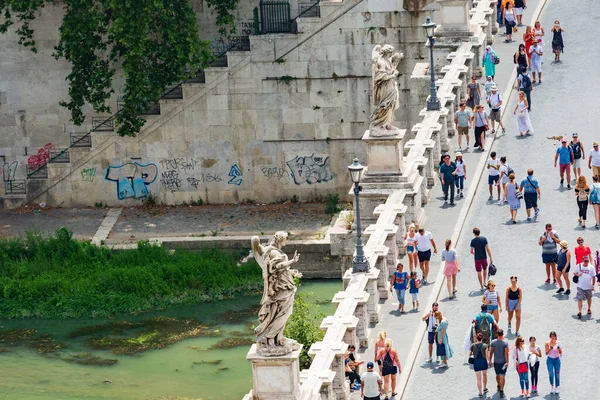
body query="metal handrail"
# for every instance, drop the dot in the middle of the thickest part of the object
(307, 10)
(113, 116)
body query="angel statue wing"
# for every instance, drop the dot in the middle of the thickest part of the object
(375, 54)
(258, 251)
(396, 59)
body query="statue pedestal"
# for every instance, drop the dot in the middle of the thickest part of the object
(384, 153)
(275, 378)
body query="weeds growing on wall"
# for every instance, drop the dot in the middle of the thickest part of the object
(59, 277)
(332, 203)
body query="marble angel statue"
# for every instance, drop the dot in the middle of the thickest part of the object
(278, 296)
(386, 97)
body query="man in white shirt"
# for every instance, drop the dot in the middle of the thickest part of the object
(424, 240)
(495, 102)
(493, 166)
(586, 274)
(370, 388)
(594, 160)
(536, 52)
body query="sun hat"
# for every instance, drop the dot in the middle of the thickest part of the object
(459, 154)
(564, 243)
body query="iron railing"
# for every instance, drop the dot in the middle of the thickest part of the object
(59, 156)
(107, 124)
(275, 16)
(309, 10)
(37, 171)
(102, 124)
(81, 140)
(173, 93)
(15, 187)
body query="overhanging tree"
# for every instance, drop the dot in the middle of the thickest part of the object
(155, 42)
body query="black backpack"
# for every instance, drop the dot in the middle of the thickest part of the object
(387, 361)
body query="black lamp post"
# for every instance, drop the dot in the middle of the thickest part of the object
(360, 262)
(433, 103)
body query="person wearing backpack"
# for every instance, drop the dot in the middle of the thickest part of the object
(484, 324)
(479, 358)
(524, 82)
(495, 103)
(564, 156)
(595, 199)
(390, 366)
(582, 192)
(578, 154)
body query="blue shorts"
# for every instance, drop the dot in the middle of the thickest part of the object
(410, 249)
(512, 305)
(492, 307)
(493, 179)
(549, 258)
(431, 337)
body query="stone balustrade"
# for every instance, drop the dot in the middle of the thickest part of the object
(405, 196)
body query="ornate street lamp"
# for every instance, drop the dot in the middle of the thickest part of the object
(360, 262)
(433, 103)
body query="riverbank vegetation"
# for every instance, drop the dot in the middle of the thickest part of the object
(60, 277)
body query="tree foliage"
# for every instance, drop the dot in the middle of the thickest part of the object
(303, 326)
(155, 42)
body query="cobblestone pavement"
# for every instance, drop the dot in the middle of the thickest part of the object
(559, 108)
(303, 220)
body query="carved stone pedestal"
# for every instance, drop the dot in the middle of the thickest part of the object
(384, 154)
(275, 378)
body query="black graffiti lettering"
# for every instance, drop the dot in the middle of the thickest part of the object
(170, 181)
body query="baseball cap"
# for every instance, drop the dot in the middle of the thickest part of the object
(564, 140)
(575, 134)
(369, 365)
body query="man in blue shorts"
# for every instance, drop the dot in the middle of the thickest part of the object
(493, 166)
(499, 355)
(531, 193)
(432, 324)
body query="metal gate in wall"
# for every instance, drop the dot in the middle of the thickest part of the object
(275, 16)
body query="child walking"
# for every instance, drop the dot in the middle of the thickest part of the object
(415, 284)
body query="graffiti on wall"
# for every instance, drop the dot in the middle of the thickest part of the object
(275, 173)
(310, 169)
(41, 157)
(186, 174)
(235, 173)
(132, 179)
(8, 171)
(88, 174)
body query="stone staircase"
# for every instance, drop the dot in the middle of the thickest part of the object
(100, 135)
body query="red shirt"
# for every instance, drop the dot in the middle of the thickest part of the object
(581, 251)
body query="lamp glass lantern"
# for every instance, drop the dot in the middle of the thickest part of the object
(429, 27)
(356, 170)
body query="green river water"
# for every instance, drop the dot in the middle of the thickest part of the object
(171, 373)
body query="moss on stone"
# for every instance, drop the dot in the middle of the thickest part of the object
(158, 333)
(89, 359)
(44, 344)
(203, 362)
(230, 343)
(16, 336)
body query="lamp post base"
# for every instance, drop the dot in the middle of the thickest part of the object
(433, 105)
(360, 264)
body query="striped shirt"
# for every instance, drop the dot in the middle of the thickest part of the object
(491, 297)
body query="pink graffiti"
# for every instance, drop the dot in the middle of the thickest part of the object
(41, 157)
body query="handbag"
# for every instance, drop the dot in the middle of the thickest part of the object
(485, 126)
(492, 269)
(518, 193)
(471, 360)
(522, 367)
(575, 279)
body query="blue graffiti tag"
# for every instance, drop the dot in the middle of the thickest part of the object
(132, 179)
(235, 174)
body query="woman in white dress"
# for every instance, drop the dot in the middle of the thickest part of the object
(523, 121)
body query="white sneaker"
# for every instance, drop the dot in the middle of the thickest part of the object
(553, 389)
(429, 359)
(556, 389)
